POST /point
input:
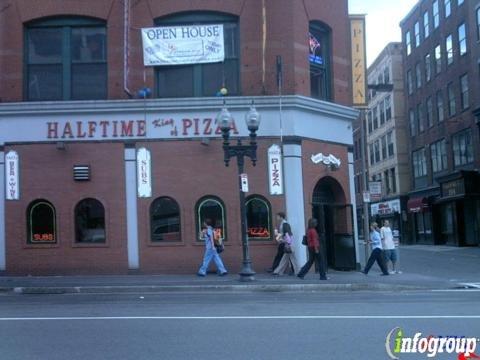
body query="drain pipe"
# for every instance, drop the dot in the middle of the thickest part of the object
(126, 46)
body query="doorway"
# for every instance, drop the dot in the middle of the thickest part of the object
(335, 224)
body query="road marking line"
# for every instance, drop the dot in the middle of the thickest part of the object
(285, 317)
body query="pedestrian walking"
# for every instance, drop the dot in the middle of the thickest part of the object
(284, 235)
(314, 253)
(376, 254)
(389, 250)
(210, 251)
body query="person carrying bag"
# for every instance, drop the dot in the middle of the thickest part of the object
(286, 237)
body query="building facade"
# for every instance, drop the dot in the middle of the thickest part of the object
(387, 140)
(441, 57)
(109, 166)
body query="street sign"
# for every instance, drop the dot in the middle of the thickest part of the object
(366, 196)
(244, 182)
(375, 188)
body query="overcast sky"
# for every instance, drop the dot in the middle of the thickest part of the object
(383, 19)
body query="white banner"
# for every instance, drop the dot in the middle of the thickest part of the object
(189, 44)
(12, 177)
(144, 173)
(275, 175)
(385, 208)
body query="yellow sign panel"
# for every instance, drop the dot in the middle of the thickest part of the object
(357, 26)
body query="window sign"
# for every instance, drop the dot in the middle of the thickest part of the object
(41, 223)
(12, 178)
(315, 46)
(188, 44)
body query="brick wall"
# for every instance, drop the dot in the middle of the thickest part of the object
(286, 26)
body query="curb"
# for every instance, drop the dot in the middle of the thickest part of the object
(207, 288)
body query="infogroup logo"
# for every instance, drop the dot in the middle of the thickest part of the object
(397, 343)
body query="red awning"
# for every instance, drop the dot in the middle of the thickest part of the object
(417, 204)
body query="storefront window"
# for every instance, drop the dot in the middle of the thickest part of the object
(164, 220)
(258, 218)
(89, 222)
(211, 208)
(41, 223)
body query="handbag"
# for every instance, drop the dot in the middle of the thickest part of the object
(305, 240)
(219, 248)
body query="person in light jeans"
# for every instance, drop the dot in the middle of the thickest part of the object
(389, 250)
(210, 251)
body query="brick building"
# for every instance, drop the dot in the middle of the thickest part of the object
(441, 57)
(387, 139)
(83, 124)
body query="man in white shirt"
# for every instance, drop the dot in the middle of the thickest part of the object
(388, 244)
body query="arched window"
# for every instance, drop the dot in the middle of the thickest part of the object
(41, 223)
(164, 220)
(259, 224)
(212, 208)
(89, 221)
(320, 59)
(197, 80)
(66, 59)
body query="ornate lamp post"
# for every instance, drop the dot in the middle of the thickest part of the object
(240, 151)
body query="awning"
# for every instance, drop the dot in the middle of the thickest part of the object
(417, 204)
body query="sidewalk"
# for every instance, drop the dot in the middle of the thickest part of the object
(424, 267)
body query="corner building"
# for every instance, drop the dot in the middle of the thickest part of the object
(108, 166)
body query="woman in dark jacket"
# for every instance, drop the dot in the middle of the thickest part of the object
(314, 254)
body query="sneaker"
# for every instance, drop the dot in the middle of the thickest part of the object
(269, 270)
(363, 272)
(392, 272)
(223, 274)
(201, 275)
(300, 277)
(383, 274)
(398, 272)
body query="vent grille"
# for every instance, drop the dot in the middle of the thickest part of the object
(81, 173)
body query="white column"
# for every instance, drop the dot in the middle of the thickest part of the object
(351, 180)
(132, 217)
(294, 197)
(3, 264)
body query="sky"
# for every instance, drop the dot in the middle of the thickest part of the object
(383, 19)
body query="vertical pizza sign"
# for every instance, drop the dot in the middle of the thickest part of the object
(144, 173)
(275, 175)
(359, 82)
(12, 176)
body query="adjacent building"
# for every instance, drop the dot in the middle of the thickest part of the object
(441, 43)
(387, 139)
(111, 166)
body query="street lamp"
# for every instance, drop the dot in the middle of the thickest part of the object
(240, 151)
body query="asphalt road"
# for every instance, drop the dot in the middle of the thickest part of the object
(323, 325)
